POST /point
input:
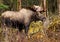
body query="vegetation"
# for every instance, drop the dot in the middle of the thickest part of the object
(35, 32)
(36, 28)
(2, 6)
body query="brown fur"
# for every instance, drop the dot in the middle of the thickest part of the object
(21, 19)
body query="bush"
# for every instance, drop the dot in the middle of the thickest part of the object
(2, 6)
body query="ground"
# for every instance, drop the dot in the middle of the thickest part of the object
(35, 33)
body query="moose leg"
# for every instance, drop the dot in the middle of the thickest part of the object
(2, 22)
(27, 28)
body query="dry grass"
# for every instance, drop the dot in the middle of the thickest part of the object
(35, 32)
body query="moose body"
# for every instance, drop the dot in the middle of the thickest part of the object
(21, 19)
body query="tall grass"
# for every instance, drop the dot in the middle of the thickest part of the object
(35, 31)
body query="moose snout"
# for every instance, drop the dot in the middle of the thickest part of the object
(42, 19)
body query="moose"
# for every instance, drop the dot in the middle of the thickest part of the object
(22, 19)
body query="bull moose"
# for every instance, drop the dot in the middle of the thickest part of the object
(22, 19)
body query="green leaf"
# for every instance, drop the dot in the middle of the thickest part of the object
(2, 6)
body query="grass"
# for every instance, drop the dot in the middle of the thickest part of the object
(35, 31)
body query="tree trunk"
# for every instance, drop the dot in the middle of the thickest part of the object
(45, 24)
(59, 6)
(44, 7)
(18, 4)
(0, 1)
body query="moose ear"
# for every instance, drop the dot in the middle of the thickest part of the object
(37, 8)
